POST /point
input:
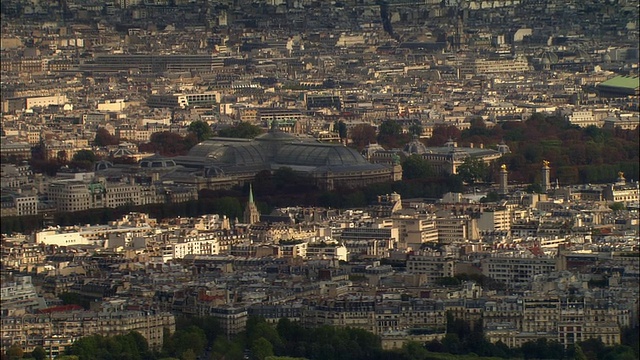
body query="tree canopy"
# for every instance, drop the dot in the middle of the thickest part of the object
(243, 130)
(97, 347)
(362, 135)
(169, 143)
(341, 128)
(473, 170)
(415, 167)
(104, 138)
(390, 134)
(201, 129)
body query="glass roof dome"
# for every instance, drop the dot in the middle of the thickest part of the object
(318, 155)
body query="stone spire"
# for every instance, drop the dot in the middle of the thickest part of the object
(251, 213)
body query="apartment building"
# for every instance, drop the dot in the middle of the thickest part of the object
(583, 118)
(494, 66)
(69, 195)
(327, 251)
(352, 312)
(33, 330)
(435, 266)
(183, 101)
(495, 220)
(621, 191)
(516, 270)
(17, 204)
(77, 195)
(232, 319)
(413, 231)
(456, 229)
(18, 294)
(197, 247)
(155, 63)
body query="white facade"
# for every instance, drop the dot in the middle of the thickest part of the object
(196, 247)
(53, 237)
(44, 101)
(338, 252)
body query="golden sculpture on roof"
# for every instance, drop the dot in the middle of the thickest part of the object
(620, 174)
(545, 163)
(503, 167)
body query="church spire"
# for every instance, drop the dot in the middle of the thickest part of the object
(251, 213)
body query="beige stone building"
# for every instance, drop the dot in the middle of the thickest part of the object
(56, 330)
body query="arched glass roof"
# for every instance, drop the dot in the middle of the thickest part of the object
(310, 154)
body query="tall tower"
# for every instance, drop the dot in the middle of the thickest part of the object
(546, 176)
(251, 213)
(503, 179)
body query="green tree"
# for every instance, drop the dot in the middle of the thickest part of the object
(189, 354)
(578, 353)
(415, 167)
(38, 353)
(473, 170)
(341, 128)
(84, 156)
(414, 351)
(492, 196)
(617, 206)
(261, 348)
(415, 129)
(243, 130)
(534, 188)
(201, 129)
(104, 138)
(390, 134)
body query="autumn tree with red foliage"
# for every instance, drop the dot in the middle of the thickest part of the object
(577, 155)
(104, 138)
(362, 135)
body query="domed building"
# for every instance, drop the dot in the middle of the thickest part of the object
(330, 165)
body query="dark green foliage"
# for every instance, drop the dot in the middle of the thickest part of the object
(341, 128)
(492, 196)
(201, 129)
(243, 130)
(84, 155)
(473, 170)
(415, 129)
(83, 159)
(189, 340)
(543, 349)
(261, 348)
(96, 347)
(74, 299)
(617, 206)
(39, 353)
(390, 135)
(415, 167)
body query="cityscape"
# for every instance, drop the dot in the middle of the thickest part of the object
(320, 179)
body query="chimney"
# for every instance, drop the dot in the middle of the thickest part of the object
(471, 145)
(481, 146)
